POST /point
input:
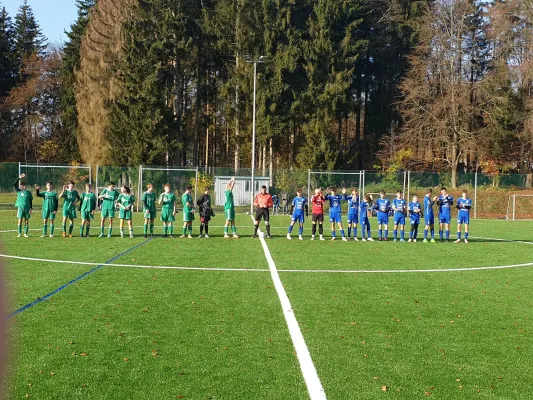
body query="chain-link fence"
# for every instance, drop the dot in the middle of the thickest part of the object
(494, 195)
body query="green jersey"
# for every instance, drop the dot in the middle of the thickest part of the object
(70, 196)
(126, 200)
(50, 200)
(24, 199)
(149, 202)
(88, 202)
(168, 200)
(109, 198)
(229, 200)
(187, 198)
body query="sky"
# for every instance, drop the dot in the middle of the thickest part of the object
(53, 16)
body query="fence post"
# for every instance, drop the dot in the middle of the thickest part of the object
(404, 181)
(20, 170)
(475, 195)
(196, 189)
(309, 184)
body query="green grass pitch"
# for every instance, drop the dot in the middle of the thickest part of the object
(209, 325)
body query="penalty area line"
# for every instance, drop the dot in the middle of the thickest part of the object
(312, 381)
(66, 285)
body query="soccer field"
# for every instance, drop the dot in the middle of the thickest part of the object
(202, 318)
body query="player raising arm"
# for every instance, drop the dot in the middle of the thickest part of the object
(70, 196)
(149, 210)
(464, 204)
(353, 213)
(317, 214)
(445, 202)
(24, 205)
(262, 203)
(168, 210)
(429, 216)
(335, 211)
(50, 203)
(383, 208)
(415, 210)
(229, 210)
(399, 205)
(298, 207)
(87, 208)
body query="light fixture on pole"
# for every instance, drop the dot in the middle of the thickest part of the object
(254, 62)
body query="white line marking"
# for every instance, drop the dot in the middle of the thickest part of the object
(314, 386)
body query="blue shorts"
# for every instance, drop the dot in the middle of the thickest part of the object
(352, 218)
(383, 218)
(415, 221)
(399, 220)
(430, 219)
(444, 219)
(298, 218)
(463, 219)
(335, 217)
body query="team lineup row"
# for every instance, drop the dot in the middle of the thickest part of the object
(358, 212)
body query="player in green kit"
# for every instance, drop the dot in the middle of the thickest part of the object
(188, 212)
(125, 202)
(70, 196)
(24, 205)
(87, 209)
(50, 203)
(168, 210)
(109, 197)
(149, 209)
(229, 210)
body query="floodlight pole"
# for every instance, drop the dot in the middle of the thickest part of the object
(260, 59)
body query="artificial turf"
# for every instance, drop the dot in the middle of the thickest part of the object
(139, 333)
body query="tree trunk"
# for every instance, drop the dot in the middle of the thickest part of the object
(197, 122)
(264, 159)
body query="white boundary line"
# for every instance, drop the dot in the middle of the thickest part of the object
(314, 386)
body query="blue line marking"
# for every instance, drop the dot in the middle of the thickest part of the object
(59, 289)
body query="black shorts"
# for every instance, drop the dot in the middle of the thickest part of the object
(262, 212)
(317, 217)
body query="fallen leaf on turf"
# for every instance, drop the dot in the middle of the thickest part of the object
(376, 378)
(27, 395)
(126, 359)
(145, 309)
(122, 334)
(52, 373)
(83, 354)
(384, 388)
(224, 348)
(155, 353)
(180, 397)
(458, 380)
(427, 393)
(365, 355)
(460, 386)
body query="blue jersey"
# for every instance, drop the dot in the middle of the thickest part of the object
(363, 209)
(353, 204)
(299, 205)
(382, 205)
(415, 209)
(399, 206)
(445, 204)
(334, 202)
(464, 206)
(428, 206)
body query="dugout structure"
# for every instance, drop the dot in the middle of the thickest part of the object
(242, 191)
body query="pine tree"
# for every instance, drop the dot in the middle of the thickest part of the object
(71, 62)
(28, 37)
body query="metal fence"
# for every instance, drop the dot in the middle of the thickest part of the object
(494, 195)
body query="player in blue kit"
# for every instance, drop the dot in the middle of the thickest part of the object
(363, 218)
(445, 202)
(298, 208)
(415, 211)
(429, 215)
(383, 208)
(335, 211)
(353, 212)
(399, 206)
(464, 204)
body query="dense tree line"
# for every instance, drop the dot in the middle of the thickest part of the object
(442, 85)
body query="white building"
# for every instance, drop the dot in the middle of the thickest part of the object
(242, 191)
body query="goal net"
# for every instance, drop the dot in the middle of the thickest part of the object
(340, 180)
(120, 176)
(38, 174)
(519, 206)
(178, 178)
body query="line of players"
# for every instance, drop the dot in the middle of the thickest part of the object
(358, 211)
